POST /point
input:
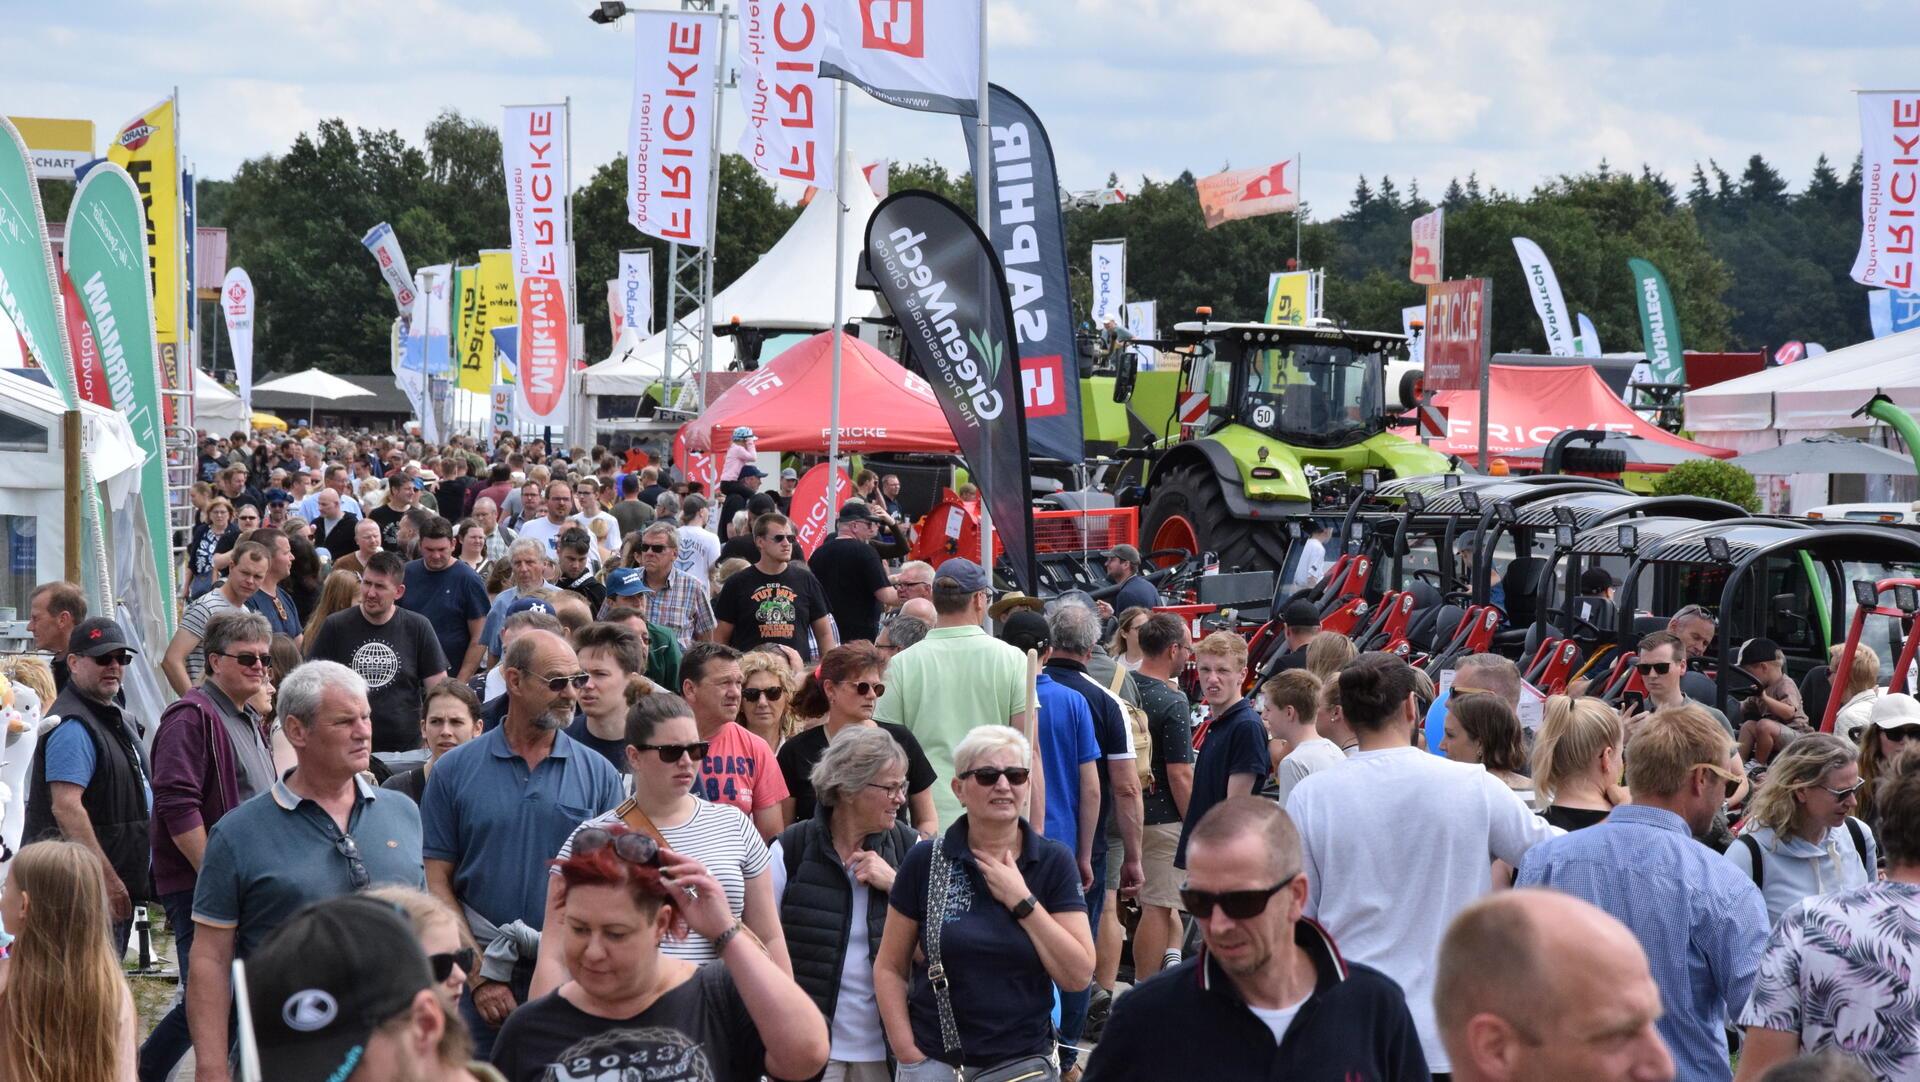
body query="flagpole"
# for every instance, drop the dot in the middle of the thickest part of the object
(983, 211)
(1299, 201)
(839, 296)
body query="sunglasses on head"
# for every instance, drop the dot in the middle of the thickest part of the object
(651, 547)
(989, 776)
(443, 964)
(633, 848)
(557, 684)
(671, 753)
(1733, 780)
(246, 660)
(1238, 904)
(1653, 668)
(772, 694)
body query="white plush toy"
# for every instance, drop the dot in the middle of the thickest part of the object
(20, 721)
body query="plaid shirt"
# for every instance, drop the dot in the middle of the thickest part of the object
(683, 605)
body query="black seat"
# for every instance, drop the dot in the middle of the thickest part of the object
(1647, 625)
(1597, 611)
(1522, 580)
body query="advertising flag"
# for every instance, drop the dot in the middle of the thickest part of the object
(812, 514)
(1429, 248)
(108, 262)
(1889, 189)
(1143, 321)
(472, 345)
(237, 305)
(147, 147)
(1589, 340)
(670, 130)
(1892, 312)
(1789, 353)
(1109, 271)
(916, 54)
(1292, 301)
(636, 292)
(1659, 324)
(27, 275)
(502, 306)
(944, 284)
(57, 148)
(89, 382)
(1031, 236)
(879, 174)
(385, 246)
(1457, 334)
(533, 141)
(790, 113)
(1249, 193)
(1547, 301)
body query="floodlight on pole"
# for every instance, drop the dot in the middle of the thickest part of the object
(608, 12)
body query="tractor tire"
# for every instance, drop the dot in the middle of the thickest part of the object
(1606, 461)
(1188, 501)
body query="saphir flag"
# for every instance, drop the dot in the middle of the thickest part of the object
(1031, 238)
(940, 277)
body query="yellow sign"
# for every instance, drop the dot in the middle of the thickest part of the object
(56, 147)
(147, 148)
(500, 304)
(472, 346)
(1291, 298)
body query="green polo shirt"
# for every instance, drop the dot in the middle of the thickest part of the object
(945, 685)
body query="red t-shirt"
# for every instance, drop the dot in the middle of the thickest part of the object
(740, 770)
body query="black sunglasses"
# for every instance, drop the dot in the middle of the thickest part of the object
(772, 694)
(778, 538)
(557, 684)
(247, 660)
(650, 547)
(990, 776)
(633, 848)
(443, 963)
(671, 753)
(356, 867)
(866, 687)
(122, 658)
(1655, 668)
(1898, 736)
(1238, 904)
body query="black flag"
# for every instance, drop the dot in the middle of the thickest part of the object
(943, 283)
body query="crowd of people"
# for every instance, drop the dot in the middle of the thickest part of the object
(535, 767)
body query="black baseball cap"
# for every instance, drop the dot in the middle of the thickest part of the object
(1301, 614)
(856, 511)
(1025, 630)
(323, 982)
(1595, 580)
(1756, 651)
(97, 636)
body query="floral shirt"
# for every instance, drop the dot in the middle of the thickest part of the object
(1838, 970)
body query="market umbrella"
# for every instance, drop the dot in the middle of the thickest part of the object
(313, 384)
(1639, 452)
(1826, 454)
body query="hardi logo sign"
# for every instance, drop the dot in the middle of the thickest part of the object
(1041, 387)
(894, 26)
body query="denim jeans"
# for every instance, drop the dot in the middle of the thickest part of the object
(483, 1034)
(1073, 1005)
(169, 1041)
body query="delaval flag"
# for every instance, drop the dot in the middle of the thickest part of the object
(533, 142)
(148, 148)
(1547, 301)
(636, 292)
(385, 246)
(1429, 248)
(1891, 312)
(1107, 266)
(670, 129)
(790, 113)
(944, 284)
(1659, 324)
(108, 262)
(1889, 189)
(237, 306)
(916, 54)
(1249, 193)
(1031, 236)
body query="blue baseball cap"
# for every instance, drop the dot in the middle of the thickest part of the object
(529, 604)
(625, 582)
(964, 572)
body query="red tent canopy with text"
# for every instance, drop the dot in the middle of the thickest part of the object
(787, 403)
(1532, 405)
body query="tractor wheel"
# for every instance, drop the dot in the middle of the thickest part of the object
(1187, 511)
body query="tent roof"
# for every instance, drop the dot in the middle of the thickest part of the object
(791, 287)
(1532, 405)
(216, 409)
(883, 407)
(1820, 393)
(107, 436)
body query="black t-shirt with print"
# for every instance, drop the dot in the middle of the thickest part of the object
(389, 520)
(395, 659)
(772, 608)
(699, 1031)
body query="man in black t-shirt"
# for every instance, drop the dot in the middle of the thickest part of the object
(402, 497)
(575, 572)
(1164, 649)
(775, 600)
(394, 650)
(850, 571)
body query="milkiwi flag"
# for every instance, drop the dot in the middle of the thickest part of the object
(945, 286)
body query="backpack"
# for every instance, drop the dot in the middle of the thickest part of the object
(1137, 725)
(1859, 847)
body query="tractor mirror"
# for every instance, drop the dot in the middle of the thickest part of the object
(1450, 480)
(1906, 599)
(1126, 368)
(1864, 594)
(1370, 481)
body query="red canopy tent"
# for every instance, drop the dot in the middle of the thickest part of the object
(787, 403)
(1531, 405)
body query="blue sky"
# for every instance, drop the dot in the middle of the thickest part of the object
(1516, 91)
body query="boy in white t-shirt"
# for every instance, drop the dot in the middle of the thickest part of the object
(1288, 705)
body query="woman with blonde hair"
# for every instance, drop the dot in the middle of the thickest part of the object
(66, 1014)
(443, 935)
(1125, 645)
(1895, 725)
(1577, 758)
(1800, 838)
(1328, 653)
(1857, 697)
(340, 591)
(766, 699)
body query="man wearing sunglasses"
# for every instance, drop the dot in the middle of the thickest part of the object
(1700, 919)
(1270, 997)
(669, 596)
(1661, 665)
(776, 600)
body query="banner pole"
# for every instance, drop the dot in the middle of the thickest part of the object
(713, 203)
(839, 297)
(579, 431)
(1486, 370)
(983, 212)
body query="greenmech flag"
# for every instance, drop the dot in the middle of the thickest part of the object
(107, 259)
(1030, 236)
(944, 285)
(1659, 323)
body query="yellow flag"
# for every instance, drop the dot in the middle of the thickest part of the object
(473, 347)
(499, 303)
(147, 148)
(1290, 301)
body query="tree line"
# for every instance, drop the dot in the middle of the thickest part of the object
(1751, 263)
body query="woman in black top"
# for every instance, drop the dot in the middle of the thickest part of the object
(1576, 761)
(452, 718)
(303, 582)
(846, 687)
(209, 537)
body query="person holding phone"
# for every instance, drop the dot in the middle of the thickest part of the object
(1661, 664)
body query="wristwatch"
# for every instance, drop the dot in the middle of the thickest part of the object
(1027, 905)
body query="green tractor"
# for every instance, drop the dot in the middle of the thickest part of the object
(1271, 421)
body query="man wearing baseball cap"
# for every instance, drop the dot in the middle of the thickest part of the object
(343, 992)
(1301, 618)
(857, 585)
(955, 678)
(1123, 570)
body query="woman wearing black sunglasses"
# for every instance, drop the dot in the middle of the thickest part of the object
(999, 908)
(846, 687)
(443, 936)
(1894, 724)
(1800, 838)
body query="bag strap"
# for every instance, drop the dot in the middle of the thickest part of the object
(939, 900)
(630, 814)
(1858, 832)
(1759, 865)
(1119, 677)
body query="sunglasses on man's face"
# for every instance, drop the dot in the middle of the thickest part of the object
(778, 538)
(671, 753)
(772, 694)
(649, 547)
(122, 658)
(989, 776)
(558, 684)
(1652, 668)
(1237, 904)
(443, 964)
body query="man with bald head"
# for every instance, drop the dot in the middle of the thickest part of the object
(921, 608)
(1270, 997)
(1535, 984)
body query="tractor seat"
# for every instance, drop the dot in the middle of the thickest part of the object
(1597, 611)
(1647, 625)
(1438, 631)
(1426, 605)
(1522, 580)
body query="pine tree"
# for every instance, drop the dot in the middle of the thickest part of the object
(1762, 184)
(1455, 196)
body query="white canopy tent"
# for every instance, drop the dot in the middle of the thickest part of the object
(216, 409)
(790, 288)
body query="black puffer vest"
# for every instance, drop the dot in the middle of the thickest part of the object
(115, 800)
(818, 904)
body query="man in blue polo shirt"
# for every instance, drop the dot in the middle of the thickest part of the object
(1233, 758)
(497, 807)
(320, 832)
